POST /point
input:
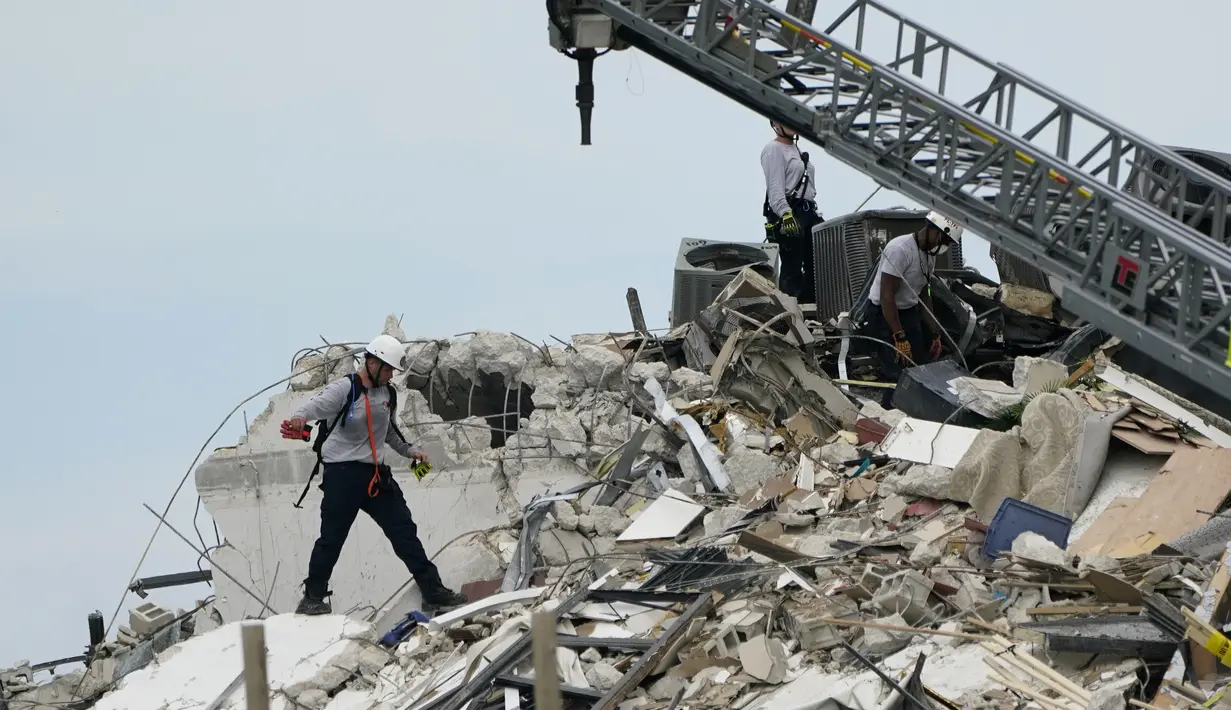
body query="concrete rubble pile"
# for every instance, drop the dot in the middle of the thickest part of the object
(733, 527)
(151, 630)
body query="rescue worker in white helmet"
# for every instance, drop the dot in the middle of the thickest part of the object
(360, 407)
(901, 303)
(790, 211)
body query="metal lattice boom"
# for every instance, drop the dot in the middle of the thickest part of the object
(1133, 267)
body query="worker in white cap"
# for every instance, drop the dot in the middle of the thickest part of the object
(358, 418)
(900, 287)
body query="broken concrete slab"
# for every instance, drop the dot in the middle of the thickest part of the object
(690, 384)
(750, 469)
(304, 654)
(593, 367)
(489, 353)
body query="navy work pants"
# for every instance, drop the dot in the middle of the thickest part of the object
(912, 324)
(345, 486)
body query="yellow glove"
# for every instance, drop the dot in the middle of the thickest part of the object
(789, 225)
(420, 468)
(902, 343)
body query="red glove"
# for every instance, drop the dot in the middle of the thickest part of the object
(290, 432)
(936, 349)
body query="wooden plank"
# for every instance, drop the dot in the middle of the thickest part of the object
(1152, 423)
(1112, 588)
(1107, 524)
(1145, 443)
(547, 694)
(1060, 609)
(1210, 610)
(256, 677)
(1190, 479)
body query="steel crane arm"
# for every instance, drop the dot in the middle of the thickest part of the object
(1126, 266)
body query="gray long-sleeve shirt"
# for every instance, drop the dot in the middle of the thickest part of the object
(349, 441)
(783, 166)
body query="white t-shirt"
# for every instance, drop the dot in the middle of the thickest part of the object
(903, 258)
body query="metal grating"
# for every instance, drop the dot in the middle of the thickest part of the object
(845, 251)
(842, 261)
(1015, 270)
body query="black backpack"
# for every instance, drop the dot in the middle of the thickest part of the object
(324, 428)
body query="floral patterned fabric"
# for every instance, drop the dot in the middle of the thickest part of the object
(1052, 460)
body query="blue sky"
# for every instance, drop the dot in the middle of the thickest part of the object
(189, 193)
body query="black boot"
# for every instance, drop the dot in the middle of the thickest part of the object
(439, 596)
(313, 604)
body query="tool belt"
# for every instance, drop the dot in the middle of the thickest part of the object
(806, 213)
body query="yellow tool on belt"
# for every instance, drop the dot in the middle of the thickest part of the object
(420, 469)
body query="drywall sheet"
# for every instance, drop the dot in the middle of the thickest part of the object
(921, 441)
(666, 517)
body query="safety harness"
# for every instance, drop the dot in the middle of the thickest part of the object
(795, 194)
(324, 428)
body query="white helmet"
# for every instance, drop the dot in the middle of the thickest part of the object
(950, 228)
(388, 350)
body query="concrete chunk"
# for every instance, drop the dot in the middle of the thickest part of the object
(764, 659)
(594, 366)
(750, 469)
(603, 676)
(838, 452)
(881, 642)
(608, 521)
(805, 625)
(564, 514)
(148, 618)
(1033, 546)
(690, 384)
(1032, 375)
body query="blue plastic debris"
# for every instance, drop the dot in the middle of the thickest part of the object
(403, 628)
(1015, 517)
